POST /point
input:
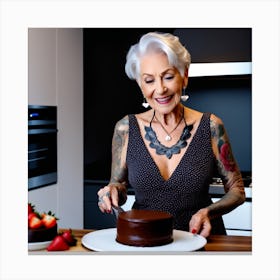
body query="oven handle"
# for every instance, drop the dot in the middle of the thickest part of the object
(42, 131)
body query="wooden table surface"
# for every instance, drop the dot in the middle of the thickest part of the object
(220, 243)
(215, 243)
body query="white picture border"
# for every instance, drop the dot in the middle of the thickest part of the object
(261, 16)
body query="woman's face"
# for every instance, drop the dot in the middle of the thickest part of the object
(160, 82)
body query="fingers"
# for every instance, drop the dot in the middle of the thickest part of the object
(115, 196)
(104, 202)
(200, 223)
(206, 229)
(203, 228)
(194, 226)
(106, 197)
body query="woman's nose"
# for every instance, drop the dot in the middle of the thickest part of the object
(160, 88)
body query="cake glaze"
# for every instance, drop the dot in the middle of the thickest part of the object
(41, 234)
(144, 228)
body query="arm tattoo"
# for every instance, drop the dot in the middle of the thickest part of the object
(228, 170)
(118, 168)
(226, 159)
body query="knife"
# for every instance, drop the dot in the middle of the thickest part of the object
(117, 210)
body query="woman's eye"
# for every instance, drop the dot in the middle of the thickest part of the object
(169, 77)
(148, 81)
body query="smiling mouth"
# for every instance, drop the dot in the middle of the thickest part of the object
(164, 100)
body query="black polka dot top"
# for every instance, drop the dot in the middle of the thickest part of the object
(186, 191)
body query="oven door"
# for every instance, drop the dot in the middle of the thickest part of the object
(42, 157)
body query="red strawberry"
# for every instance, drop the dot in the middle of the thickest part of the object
(58, 244)
(49, 220)
(30, 208)
(35, 222)
(30, 215)
(69, 237)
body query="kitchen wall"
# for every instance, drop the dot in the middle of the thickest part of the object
(222, 94)
(55, 77)
(228, 95)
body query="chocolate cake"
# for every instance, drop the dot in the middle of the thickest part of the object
(144, 228)
(42, 234)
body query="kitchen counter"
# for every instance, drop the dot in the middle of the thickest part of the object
(217, 190)
(215, 243)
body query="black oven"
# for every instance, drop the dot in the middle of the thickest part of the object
(42, 146)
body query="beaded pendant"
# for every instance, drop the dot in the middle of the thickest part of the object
(168, 151)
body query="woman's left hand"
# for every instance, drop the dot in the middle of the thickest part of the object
(200, 223)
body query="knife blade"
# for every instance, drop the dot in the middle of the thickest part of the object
(117, 210)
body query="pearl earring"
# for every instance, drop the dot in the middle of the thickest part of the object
(184, 96)
(145, 104)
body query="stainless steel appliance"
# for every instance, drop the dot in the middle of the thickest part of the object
(42, 146)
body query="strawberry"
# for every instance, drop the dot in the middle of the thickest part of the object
(35, 222)
(30, 215)
(49, 220)
(30, 208)
(69, 237)
(58, 244)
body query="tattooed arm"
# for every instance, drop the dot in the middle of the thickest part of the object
(228, 170)
(231, 176)
(118, 180)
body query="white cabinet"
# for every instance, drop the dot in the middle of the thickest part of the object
(239, 221)
(129, 202)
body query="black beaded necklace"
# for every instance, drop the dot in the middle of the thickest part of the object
(160, 148)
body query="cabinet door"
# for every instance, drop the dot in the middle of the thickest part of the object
(93, 217)
(238, 221)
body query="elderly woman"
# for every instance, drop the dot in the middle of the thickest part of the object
(169, 153)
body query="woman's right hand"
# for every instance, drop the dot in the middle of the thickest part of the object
(110, 195)
(106, 197)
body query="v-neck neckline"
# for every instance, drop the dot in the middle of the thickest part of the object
(188, 147)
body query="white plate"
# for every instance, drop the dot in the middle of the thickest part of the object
(104, 240)
(38, 245)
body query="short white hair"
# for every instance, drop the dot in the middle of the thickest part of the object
(177, 55)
